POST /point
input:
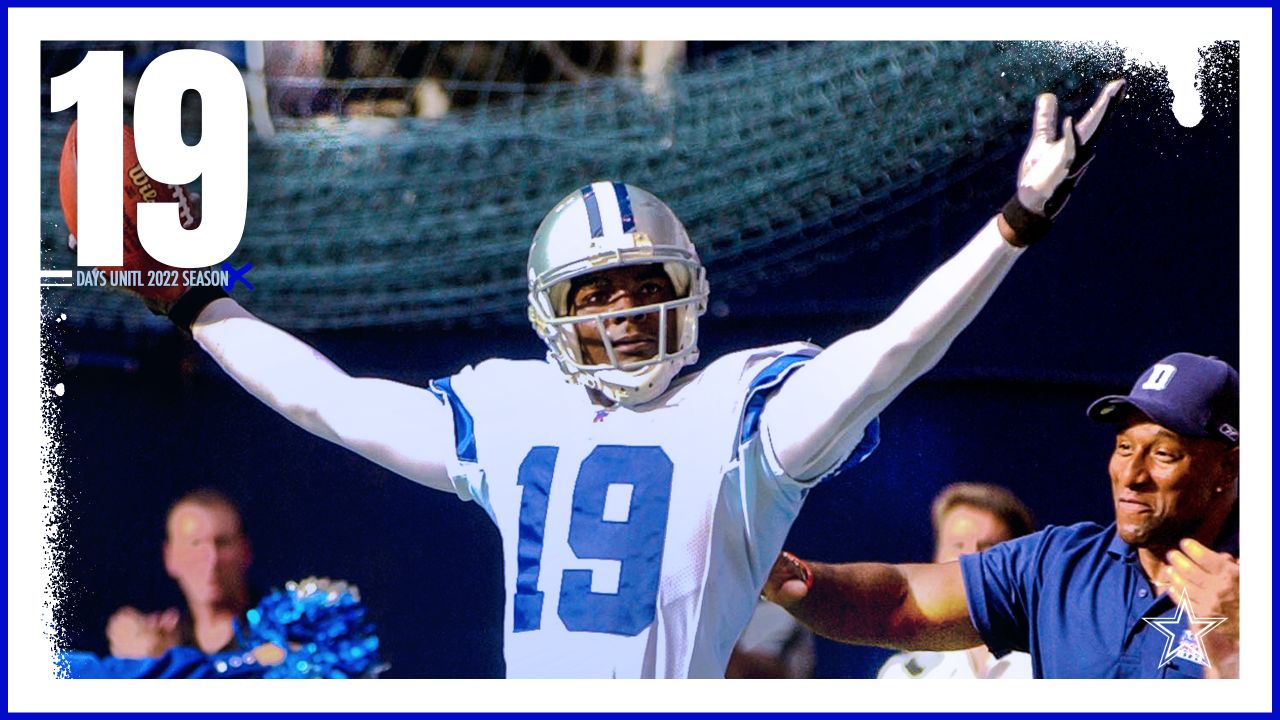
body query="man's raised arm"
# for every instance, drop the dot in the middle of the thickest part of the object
(813, 421)
(402, 428)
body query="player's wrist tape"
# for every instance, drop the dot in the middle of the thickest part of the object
(1029, 227)
(187, 308)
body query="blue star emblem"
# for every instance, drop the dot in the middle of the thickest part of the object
(1190, 646)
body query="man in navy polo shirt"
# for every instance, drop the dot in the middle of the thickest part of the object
(1154, 595)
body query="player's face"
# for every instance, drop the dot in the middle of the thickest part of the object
(966, 529)
(207, 554)
(634, 337)
(1163, 483)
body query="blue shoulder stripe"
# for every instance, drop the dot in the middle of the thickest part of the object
(867, 445)
(764, 383)
(463, 426)
(769, 380)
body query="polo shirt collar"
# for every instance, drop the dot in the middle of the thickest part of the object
(1118, 548)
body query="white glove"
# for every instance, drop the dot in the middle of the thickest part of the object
(1052, 165)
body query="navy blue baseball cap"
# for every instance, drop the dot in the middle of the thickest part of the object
(1187, 393)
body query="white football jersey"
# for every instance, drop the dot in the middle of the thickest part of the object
(635, 540)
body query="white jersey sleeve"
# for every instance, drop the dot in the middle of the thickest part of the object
(813, 422)
(490, 403)
(398, 426)
(635, 539)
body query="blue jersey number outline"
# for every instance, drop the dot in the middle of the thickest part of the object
(636, 541)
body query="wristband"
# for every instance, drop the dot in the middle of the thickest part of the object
(187, 308)
(1028, 227)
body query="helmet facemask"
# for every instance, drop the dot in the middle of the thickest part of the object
(627, 382)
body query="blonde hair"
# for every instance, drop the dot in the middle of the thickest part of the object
(997, 500)
(205, 498)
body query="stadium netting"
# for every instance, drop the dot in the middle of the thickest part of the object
(769, 154)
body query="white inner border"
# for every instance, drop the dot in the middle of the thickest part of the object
(31, 686)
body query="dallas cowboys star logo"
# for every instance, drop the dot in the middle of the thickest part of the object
(1190, 647)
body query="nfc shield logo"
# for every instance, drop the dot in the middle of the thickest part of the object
(1160, 376)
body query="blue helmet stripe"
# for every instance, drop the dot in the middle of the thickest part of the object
(624, 207)
(593, 211)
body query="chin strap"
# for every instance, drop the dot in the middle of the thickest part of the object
(656, 380)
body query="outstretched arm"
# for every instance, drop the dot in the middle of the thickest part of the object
(907, 607)
(813, 421)
(820, 413)
(402, 428)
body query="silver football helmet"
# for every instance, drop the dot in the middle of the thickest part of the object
(602, 226)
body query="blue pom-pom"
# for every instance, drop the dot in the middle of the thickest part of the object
(321, 625)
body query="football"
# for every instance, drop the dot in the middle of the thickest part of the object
(138, 188)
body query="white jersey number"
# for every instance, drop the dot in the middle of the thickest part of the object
(220, 159)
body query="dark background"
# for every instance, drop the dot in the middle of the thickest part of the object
(1143, 262)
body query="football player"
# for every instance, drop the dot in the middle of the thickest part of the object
(640, 510)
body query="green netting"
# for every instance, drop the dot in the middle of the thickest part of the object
(767, 156)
